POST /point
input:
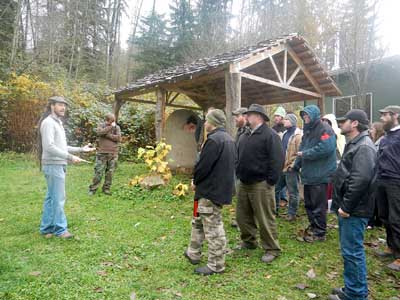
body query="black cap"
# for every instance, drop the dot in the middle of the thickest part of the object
(355, 115)
(257, 108)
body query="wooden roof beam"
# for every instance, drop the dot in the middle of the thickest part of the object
(281, 85)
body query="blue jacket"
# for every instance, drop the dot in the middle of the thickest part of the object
(389, 156)
(318, 146)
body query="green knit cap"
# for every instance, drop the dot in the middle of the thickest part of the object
(216, 117)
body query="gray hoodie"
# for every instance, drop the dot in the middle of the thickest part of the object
(54, 142)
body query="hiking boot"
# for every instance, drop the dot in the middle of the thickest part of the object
(313, 238)
(386, 253)
(291, 218)
(245, 246)
(395, 265)
(268, 257)
(206, 271)
(107, 192)
(192, 261)
(66, 235)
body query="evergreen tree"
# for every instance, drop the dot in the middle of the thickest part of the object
(182, 30)
(153, 45)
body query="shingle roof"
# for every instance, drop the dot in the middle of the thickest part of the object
(204, 64)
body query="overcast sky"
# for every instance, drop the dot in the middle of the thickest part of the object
(389, 22)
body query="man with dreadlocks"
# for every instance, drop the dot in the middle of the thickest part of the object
(54, 155)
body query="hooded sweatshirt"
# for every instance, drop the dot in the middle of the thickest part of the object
(318, 146)
(340, 139)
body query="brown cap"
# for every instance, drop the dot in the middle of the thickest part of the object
(394, 109)
(239, 111)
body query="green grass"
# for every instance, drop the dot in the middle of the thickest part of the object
(132, 242)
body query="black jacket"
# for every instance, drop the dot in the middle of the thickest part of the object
(260, 156)
(214, 172)
(353, 179)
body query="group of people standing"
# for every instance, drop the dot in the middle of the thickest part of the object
(333, 157)
(362, 176)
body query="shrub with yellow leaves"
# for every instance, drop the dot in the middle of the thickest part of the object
(155, 159)
(181, 190)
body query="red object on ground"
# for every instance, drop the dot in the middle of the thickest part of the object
(195, 207)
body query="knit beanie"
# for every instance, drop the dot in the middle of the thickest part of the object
(280, 111)
(216, 117)
(292, 118)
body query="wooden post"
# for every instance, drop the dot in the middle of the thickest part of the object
(233, 87)
(117, 106)
(160, 113)
(321, 104)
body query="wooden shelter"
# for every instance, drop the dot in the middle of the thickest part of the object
(279, 70)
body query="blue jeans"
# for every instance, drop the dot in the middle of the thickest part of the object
(289, 181)
(351, 234)
(53, 217)
(280, 190)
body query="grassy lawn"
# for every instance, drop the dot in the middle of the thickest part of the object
(130, 245)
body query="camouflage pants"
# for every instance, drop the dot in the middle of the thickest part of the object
(208, 225)
(105, 163)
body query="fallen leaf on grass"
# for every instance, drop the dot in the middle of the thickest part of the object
(99, 290)
(178, 294)
(35, 273)
(311, 274)
(311, 295)
(102, 273)
(332, 275)
(267, 276)
(301, 286)
(107, 263)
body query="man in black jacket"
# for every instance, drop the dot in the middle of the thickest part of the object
(388, 183)
(260, 163)
(213, 184)
(351, 199)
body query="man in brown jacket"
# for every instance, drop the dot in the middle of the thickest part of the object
(109, 136)
(291, 142)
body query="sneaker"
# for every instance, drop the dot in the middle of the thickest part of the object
(91, 193)
(283, 203)
(245, 246)
(107, 192)
(335, 297)
(395, 265)
(338, 291)
(66, 235)
(206, 271)
(268, 257)
(192, 261)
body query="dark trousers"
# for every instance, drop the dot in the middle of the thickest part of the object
(316, 206)
(388, 202)
(256, 206)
